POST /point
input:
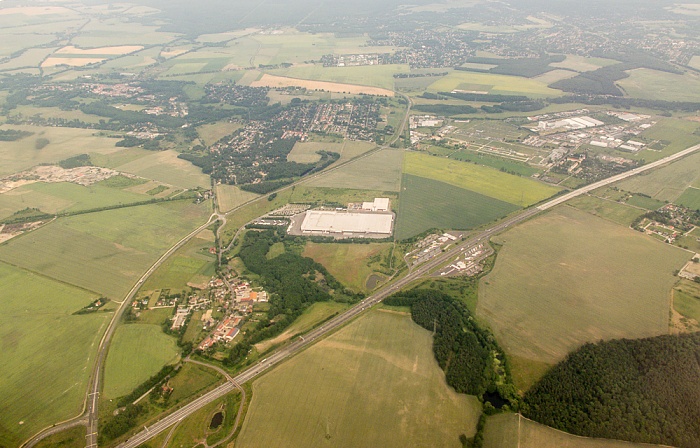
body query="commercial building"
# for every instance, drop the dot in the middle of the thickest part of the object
(343, 223)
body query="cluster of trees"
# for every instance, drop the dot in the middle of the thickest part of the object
(284, 173)
(75, 161)
(470, 356)
(121, 117)
(117, 425)
(642, 390)
(12, 135)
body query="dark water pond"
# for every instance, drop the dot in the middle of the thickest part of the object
(216, 420)
(373, 281)
(495, 399)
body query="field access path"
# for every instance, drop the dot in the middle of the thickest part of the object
(425, 269)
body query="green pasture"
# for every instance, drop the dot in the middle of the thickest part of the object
(686, 299)
(115, 31)
(657, 85)
(164, 166)
(343, 196)
(568, 277)
(428, 203)
(690, 198)
(47, 352)
(120, 156)
(516, 190)
(230, 196)
(191, 263)
(64, 197)
(308, 152)
(64, 143)
(492, 83)
(668, 182)
(213, 132)
(136, 353)
(53, 112)
(69, 438)
(515, 431)
(378, 171)
(373, 383)
(494, 162)
(351, 264)
(105, 252)
(312, 316)
(607, 209)
(582, 63)
(367, 75)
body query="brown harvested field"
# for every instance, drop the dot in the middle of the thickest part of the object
(568, 277)
(281, 81)
(73, 62)
(119, 50)
(515, 431)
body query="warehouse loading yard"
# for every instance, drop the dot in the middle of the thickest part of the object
(365, 220)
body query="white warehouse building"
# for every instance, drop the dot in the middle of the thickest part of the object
(320, 222)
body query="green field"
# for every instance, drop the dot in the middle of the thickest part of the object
(136, 353)
(64, 196)
(308, 152)
(105, 252)
(611, 210)
(569, 277)
(164, 166)
(427, 203)
(520, 191)
(343, 196)
(367, 75)
(515, 431)
(47, 352)
(231, 196)
(378, 171)
(312, 316)
(64, 143)
(657, 85)
(492, 83)
(212, 133)
(494, 162)
(349, 263)
(690, 198)
(373, 383)
(668, 182)
(191, 263)
(582, 63)
(686, 300)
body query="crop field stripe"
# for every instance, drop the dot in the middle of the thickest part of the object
(427, 203)
(516, 190)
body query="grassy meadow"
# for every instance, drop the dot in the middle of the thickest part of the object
(658, 85)
(492, 83)
(378, 171)
(191, 263)
(515, 431)
(569, 277)
(373, 383)
(63, 143)
(351, 264)
(104, 252)
(231, 196)
(164, 166)
(312, 316)
(516, 190)
(607, 209)
(368, 75)
(145, 346)
(668, 182)
(428, 203)
(47, 351)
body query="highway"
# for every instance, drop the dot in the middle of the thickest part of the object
(340, 320)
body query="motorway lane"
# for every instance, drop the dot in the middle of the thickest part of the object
(380, 295)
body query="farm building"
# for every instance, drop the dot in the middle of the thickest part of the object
(320, 222)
